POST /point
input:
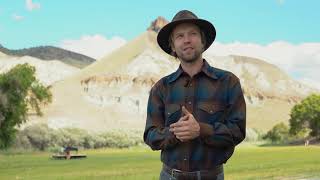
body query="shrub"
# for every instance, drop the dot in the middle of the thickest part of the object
(278, 134)
(38, 136)
(41, 137)
(253, 135)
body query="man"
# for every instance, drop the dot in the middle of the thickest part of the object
(196, 115)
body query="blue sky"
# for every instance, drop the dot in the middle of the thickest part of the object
(247, 21)
(282, 32)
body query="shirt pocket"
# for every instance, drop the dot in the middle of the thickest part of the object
(172, 113)
(210, 112)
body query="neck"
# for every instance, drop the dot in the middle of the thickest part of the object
(192, 68)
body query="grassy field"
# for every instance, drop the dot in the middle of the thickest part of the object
(248, 162)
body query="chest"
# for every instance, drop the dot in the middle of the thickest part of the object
(205, 98)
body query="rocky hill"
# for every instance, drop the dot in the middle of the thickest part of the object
(113, 92)
(157, 24)
(48, 53)
(47, 72)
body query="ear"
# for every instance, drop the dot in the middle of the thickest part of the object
(172, 48)
(203, 40)
(203, 46)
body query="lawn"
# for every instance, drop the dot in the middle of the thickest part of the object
(248, 162)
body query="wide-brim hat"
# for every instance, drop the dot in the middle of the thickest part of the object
(185, 16)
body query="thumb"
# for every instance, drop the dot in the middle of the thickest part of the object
(185, 111)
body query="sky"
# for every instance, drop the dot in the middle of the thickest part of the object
(282, 32)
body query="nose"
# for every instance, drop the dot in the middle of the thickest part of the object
(186, 38)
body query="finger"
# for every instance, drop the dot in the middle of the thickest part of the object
(188, 117)
(185, 111)
(179, 129)
(184, 138)
(180, 139)
(175, 127)
(177, 124)
(182, 133)
(182, 123)
(184, 118)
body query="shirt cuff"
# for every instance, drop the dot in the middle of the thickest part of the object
(171, 140)
(205, 129)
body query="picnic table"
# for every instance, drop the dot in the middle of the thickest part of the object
(66, 154)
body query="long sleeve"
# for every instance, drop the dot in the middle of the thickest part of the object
(156, 135)
(232, 129)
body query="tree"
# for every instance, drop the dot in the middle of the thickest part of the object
(20, 91)
(306, 115)
(279, 133)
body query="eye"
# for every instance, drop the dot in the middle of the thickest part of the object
(179, 36)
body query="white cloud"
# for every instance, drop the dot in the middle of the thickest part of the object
(301, 61)
(31, 5)
(17, 17)
(96, 46)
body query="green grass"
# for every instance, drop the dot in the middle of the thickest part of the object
(248, 162)
(274, 163)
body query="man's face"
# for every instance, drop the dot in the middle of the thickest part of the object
(186, 42)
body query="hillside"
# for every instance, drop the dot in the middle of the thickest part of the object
(48, 53)
(47, 72)
(112, 92)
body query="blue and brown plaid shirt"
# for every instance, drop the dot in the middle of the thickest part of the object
(215, 99)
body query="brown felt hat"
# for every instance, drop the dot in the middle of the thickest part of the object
(185, 16)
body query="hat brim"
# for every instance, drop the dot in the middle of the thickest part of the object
(205, 26)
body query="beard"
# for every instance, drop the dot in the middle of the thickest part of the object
(190, 58)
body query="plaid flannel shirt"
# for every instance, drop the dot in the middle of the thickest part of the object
(215, 99)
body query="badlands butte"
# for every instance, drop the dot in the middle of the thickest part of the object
(112, 92)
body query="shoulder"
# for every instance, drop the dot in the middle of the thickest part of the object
(224, 74)
(217, 73)
(160, 87)
(164, 81)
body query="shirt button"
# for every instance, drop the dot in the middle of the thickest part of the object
(191, 85)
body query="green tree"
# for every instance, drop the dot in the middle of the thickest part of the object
(306, 115)
(20, 91)
(279, 133)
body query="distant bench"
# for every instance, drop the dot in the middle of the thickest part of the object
(73, 156)
(68, 155)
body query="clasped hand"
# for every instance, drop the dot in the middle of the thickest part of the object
(187, 127)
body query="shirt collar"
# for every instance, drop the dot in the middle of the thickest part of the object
(209, 70)
(206, 69)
